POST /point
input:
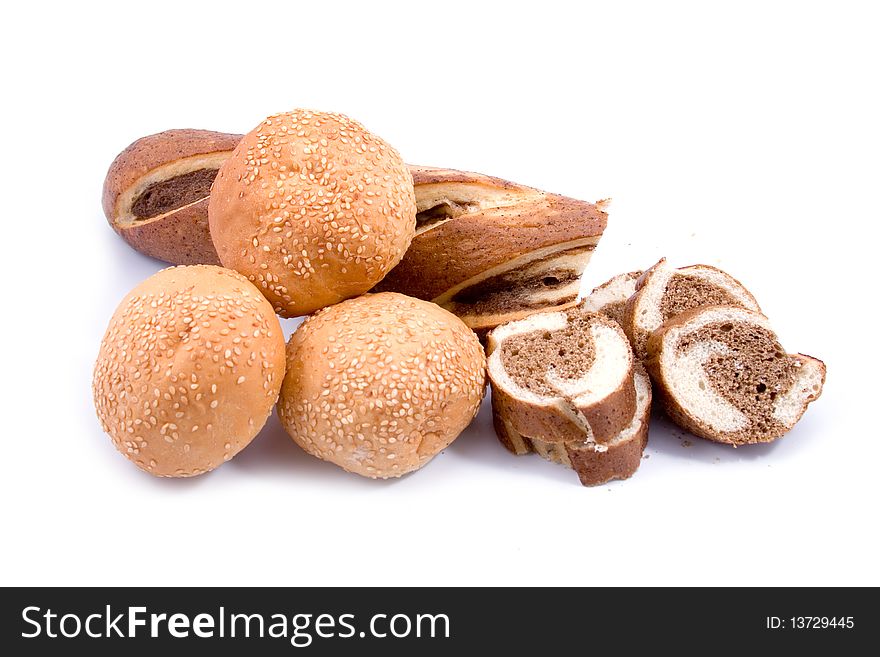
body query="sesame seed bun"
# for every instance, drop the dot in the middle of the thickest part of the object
(188, 370)
(313, 209)
(380, 384)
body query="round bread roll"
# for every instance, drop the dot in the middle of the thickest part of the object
(380, 384)
(188, 370)
(313, 209)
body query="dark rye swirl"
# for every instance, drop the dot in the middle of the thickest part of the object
(662, 292)
(492, 251)
(721, 373)
(566, 386)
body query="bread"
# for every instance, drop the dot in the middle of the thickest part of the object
(721, 373)
(156, 193)
(380, 384)
(491, 251)
(313, 209)
(188, 370)
(594, 463)
(565, 384)
(610, 298)
(663, 292)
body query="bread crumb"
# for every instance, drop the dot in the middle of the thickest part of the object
(686, 443)
(646, 456)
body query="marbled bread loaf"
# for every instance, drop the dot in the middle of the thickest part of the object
(492, 251)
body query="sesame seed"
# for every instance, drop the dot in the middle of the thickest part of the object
(149, 371)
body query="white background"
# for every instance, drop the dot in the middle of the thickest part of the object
(744, 137)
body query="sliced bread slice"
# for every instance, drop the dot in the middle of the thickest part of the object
(565, 384)
(663, 292)
(563, 376)
(721, 373)
(595, 463)
(610, 298)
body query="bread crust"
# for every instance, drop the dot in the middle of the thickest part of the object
(463, 247)
(180, 236)
(453, 254)
(380, 384)
(594, 466)
(551, 422)
(614, 279)
(619, 462)
(428, 175)
(686, 420)
(613, 307)
(189, 370)
(637, 335)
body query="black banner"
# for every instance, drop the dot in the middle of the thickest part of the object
(431, 621)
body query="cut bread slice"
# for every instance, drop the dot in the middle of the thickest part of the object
(594, 463)
(610, 298)
(663, 292)
(492, 251)
(566, 385)
(721, 373)
(563, 376)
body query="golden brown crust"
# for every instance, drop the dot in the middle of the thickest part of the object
(615, 412)
(444, 257)
(188, 370)
(181, 236)
(313, 209)
(380, 384)
(550, 423)
(473, 243)
(427, 175)
(619, 462)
